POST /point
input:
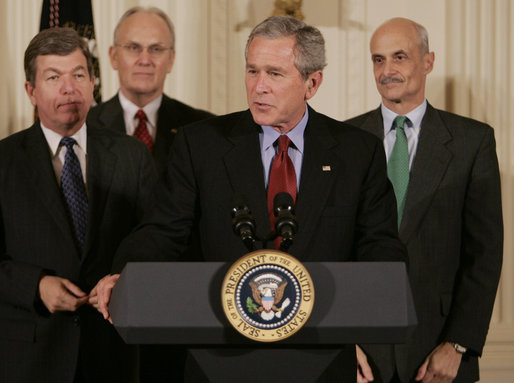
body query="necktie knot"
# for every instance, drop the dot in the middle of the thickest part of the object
(68, 142)
(283, 143)
(399, 121)
(141, 115)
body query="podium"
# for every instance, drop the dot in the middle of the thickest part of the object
(180, 303)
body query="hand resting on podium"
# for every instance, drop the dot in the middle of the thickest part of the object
(100, 296)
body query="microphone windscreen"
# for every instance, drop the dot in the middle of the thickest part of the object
(283, 199)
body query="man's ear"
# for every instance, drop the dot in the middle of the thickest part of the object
(31, 92)
(428, 62)
(172, 60)
(113, 56)
(313, 83)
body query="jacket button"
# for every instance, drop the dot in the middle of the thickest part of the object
(76, 320)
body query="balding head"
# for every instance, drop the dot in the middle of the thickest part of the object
(401, 62)
(416, 31)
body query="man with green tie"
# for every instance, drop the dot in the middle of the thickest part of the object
(447, 184)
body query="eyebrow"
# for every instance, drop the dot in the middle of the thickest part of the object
(149, 45)
(396, 53)
(52, 69)
(267, 68)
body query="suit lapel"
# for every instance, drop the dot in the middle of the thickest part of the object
(111, 115)
(429, 166)
(246, 173)
(245, 170)
(316, 178)
(374, 123)
(101, 164)
(42, 175)
(167, 125)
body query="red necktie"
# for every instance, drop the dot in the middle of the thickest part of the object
(282, 178)
(141, 132)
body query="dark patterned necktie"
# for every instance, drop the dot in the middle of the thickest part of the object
(74, 191)
(398, 165)
(141, 132)
(282, 178)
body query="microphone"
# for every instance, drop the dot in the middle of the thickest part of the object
(243, 225)
(285, 222)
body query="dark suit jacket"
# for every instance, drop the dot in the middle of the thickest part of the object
(345, 214)
(452, 227)
(172, 115)
(36, 238)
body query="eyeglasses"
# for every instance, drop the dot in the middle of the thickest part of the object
(135, 50)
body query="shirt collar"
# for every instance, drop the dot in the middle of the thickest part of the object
(295, 134)
(415, 116)
(150, 109)
(54, 139)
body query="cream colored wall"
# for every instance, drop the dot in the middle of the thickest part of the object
(473, 75)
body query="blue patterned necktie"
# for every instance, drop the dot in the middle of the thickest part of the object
(398, 165)
(74, 191)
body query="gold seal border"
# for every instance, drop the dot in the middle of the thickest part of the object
(261, 258)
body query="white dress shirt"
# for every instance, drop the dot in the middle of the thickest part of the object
(58, 152)
(267, 138)
(412, 130)
(129, 114)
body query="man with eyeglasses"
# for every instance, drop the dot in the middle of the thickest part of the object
(143, 54)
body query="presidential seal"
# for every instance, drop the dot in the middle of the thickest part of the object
(267, 295)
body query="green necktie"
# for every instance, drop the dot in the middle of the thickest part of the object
(398, 165)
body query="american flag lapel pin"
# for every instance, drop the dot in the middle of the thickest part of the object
(326, 168)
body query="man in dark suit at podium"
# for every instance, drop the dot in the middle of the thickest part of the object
(345, 205)
(452, 215)
(143, 53)
(69, 193)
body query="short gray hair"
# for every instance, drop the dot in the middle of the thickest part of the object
(152, 10)
(309, 49)
(422, 37)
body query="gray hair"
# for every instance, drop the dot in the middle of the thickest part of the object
(54, 41)
(309, 49)
(152, 10)
(419, 29)
(422, 37)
